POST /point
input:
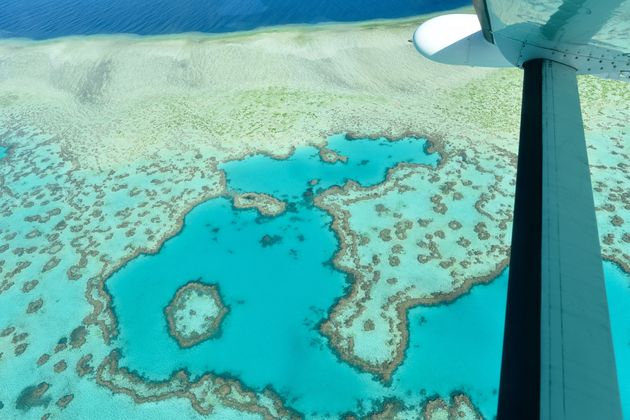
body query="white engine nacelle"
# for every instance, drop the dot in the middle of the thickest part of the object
(457, 39)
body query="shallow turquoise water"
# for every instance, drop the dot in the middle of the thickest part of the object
(3, 151)
(618, 291)
(278, 294)
(287, 179)
(457, 347)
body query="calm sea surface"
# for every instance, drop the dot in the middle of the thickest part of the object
(282, 346)
(278, 294)
(41, 19)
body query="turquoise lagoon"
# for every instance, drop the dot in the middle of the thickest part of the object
(618, 292)
(277, 295)
(3, 151)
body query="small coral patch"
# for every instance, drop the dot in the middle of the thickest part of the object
(195, 313)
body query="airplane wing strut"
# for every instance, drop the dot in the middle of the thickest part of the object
(558, 359)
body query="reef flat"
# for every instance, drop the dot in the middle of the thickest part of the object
(424, 236)
(458, 406)
(266, 204)
(195, 313)
(110, 141)
(275, 274)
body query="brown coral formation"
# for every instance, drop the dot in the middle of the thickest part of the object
(427, 262)
(458, 406)
(195, 313)
(106, 163)
(330, 156)
(33, 396)
(204, 393)
(266, 204)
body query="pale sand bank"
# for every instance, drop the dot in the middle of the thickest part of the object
(113, 139)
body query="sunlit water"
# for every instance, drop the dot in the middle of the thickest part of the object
(40, 19)
(278, 294)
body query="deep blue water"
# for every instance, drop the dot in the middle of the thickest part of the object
(41, 19)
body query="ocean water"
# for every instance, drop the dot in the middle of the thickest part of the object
(618, 293)
(457, 347)
(278, 294)
(42, 19)
(3, 151)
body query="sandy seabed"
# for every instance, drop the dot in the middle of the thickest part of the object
(113, 139)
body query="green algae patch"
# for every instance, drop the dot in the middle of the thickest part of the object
(195, 313)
